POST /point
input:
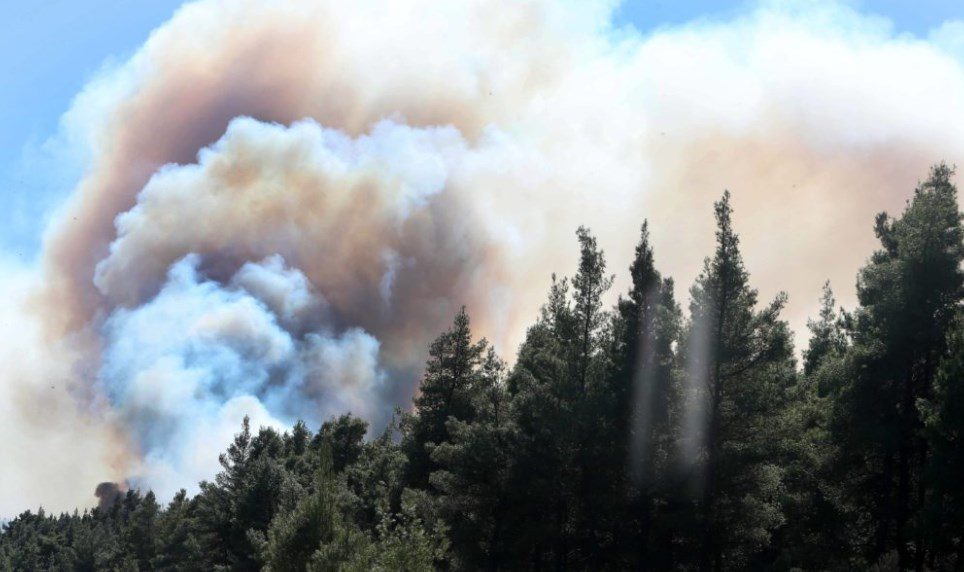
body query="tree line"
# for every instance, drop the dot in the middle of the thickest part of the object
(622, 438)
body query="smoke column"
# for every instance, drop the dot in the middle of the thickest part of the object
(107, 494)
(283, 202)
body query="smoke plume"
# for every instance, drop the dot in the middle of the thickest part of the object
(284, 201)
(107, 494)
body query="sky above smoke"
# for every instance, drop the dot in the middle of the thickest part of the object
(282, 203)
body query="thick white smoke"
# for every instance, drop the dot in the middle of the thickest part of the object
(183, 368)
(284, 201)
(355, 213)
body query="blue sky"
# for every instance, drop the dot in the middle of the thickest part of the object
(910, 16)
(52, 47)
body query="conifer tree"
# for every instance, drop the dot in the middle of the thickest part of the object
(225, 542)
(815, 514)
(740, 369)
(313, 535)
(908, 293)
(620, 439)
(473, 480)
(451, 373)
(376, 479)
(560, 385)
(593, 404)
(142, 531)
(826, 334)
(542, 469)
(344, 436)
(945, 431)
(178, 537)
(646, 326)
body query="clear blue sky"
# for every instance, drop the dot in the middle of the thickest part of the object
(912, 16)
(51, 47)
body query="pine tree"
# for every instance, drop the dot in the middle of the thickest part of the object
(376, 480)
(177, 537)
(812, 497)
(403, 543)
(142, 530)
(826, 334)
(223, 540)
(945, 431)
(560, 388)
(619, 440)
(740, 368)
(313, 534)
(594, 405)
(646, 325)
(451, 373)
(344, 436)
(473, 479)
(908, 294)
(542, 469)
(251, 489)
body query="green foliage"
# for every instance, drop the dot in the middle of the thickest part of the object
(401, 542)
(827, 337)
(313, 532)
(909, 293)
(451, 374)
(944, 422)
(740, 370)
(641, 460)
(344, 437)
(474, 475)
(177, 536)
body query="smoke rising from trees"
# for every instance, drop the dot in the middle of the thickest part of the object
(284, 201)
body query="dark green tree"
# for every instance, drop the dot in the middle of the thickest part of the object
(812, 499)
(473, 479)
(908, 293)
(620, 439)
(644, 401)
(251, 489)
(402, 542)
(312, 535)
(740, 368)
(944, 421)
(177, 536)
(826, 333)
(561, 393)
(451, 374)
(344, 436)
(141, 531)
(376, 480)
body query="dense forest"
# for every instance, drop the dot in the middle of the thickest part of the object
(637, 437)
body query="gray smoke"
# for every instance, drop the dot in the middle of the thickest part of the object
(107, 494)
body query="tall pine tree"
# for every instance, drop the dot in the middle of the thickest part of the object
(741, 367)
(646, 326)
(908, 294)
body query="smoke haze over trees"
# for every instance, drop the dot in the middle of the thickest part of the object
(631, 436)
(271, 208)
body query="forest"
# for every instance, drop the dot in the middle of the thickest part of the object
(633, 437)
